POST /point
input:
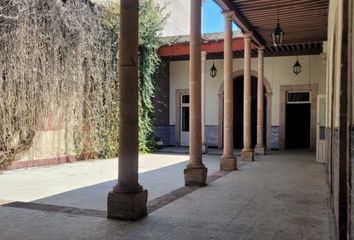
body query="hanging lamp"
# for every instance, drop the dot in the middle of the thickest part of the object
(278, 34)
(213, 71)
(297, 67)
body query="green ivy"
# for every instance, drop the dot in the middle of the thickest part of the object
(151, 23)
(81, 60)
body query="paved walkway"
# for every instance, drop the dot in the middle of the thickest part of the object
(280, 196)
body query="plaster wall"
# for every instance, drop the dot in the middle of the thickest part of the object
(339, 168)
(177, 23)
(52, 143)
(277, 70)
(49, 144)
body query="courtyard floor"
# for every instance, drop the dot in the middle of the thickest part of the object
(282, 195)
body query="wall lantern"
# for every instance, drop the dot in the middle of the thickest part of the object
(297, 67)
(278, 34)
(213, 71)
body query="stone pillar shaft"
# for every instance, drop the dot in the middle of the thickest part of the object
(247, 153)
(204, 146)
(128, 105)
(228, 160)
(128, 200)
(228, 90)
(195, 173)
(195, 136)
(260, 105)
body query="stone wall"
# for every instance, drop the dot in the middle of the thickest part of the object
(328, 157)
(352, 144)
(335, 175)
(333, 170)
(352, 180)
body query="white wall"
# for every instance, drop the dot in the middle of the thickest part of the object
(277, 70)
(179, 20)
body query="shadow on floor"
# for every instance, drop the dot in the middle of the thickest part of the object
(158, 182)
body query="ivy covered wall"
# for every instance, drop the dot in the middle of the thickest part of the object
(58, 73)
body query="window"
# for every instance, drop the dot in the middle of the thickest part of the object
(298, 97)
(185, 113)
(185, 99)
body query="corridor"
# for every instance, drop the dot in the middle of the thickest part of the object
(283, 195)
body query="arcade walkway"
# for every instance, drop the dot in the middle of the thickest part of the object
(279, 196)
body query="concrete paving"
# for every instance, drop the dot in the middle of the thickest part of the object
(86, 184)
(280, 196)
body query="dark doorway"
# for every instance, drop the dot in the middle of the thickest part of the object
(298, 124)
(238, 112)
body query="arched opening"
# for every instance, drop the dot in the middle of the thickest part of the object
(267, 126)
(238, 112)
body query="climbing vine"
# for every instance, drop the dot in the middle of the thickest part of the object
(151, 22)
(58, 72)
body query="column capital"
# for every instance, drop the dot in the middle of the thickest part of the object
(247, 35)
(260, 49)
(228, 14)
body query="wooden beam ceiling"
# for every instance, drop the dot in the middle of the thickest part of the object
(301, 20)
(238, 19)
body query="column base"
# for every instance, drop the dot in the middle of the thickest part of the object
(228, 163)
(247, 155)
(259, 150)
(204, 149)
(127, 206)
(195, 176)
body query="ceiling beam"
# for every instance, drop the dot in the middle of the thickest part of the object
(241, 22)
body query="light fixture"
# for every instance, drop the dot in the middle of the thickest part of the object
(213, 71)
(297, 67)
(278, 34)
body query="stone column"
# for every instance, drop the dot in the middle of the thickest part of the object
(195, 174)
(204, 146)
(128, 200)
(247, 152)
(228, 160)
(259, 150)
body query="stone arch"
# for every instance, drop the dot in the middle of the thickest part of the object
(268, 93)
(254, 73)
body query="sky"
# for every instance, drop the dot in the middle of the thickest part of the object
(213, 20)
